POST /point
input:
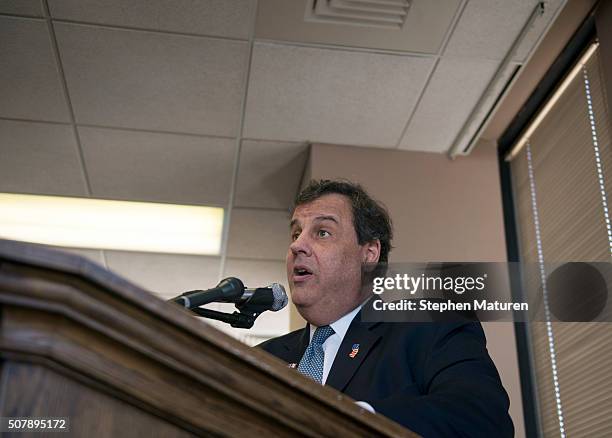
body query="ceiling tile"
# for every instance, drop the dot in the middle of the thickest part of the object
(331, 96)
(424, 30)
(488, 101)
(454, 89)
(29, 81)
(258, 234)
(226, 18)
(269, 173)
(167, 275)
(31, 8)
(40, 158)
(134, 79)
(487, 28)
(538, 28)
(148, 166)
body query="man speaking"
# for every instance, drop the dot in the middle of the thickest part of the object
(437, 379)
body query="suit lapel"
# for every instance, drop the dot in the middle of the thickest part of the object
(345, 366)
(295, 350)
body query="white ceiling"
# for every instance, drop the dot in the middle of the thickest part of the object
(214, 102)
(157, 167)
(330, 95)
(457, 83)
(222, 68)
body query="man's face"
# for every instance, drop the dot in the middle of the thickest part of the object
(324, 259)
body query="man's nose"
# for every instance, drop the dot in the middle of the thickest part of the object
(301, 245)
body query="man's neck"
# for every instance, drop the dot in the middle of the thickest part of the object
(318, 319)
(342, 324)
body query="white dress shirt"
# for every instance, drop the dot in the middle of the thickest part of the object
(332, 344)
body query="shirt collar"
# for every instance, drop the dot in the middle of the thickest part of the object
(341, 325)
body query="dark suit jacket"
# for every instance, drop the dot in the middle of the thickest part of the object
(436, 379)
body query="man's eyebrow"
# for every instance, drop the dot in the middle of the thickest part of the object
(318, 219)
(326, 218)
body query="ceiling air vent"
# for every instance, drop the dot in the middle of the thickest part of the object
(389, 14)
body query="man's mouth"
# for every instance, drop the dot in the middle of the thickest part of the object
(301, 273)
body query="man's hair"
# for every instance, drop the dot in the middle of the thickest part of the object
(370, 218)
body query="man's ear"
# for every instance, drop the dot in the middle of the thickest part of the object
(371, 251)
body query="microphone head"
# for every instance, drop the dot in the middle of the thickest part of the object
(279, 297)
(231, 287)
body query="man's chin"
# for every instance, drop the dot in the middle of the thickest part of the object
(300, 302)
(301, 296)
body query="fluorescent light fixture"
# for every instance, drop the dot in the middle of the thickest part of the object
(552, 101)
(104, 224)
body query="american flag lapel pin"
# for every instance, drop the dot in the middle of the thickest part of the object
(354, 351)
(292, 365)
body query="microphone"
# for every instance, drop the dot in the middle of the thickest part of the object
(259, 300)
(232, 290)
(229, 289)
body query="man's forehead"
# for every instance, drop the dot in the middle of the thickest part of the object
(326, 207)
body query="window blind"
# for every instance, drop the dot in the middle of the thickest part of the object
(562, 186)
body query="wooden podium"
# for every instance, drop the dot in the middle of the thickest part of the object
(78, 341)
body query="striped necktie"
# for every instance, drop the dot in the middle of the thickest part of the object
(312, 362)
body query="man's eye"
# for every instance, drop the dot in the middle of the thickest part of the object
(294, 236)
(323, 233)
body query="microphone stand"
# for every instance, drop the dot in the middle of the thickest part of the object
(245, 318)
(236, 319)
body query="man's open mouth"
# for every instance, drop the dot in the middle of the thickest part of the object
(301, 273)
